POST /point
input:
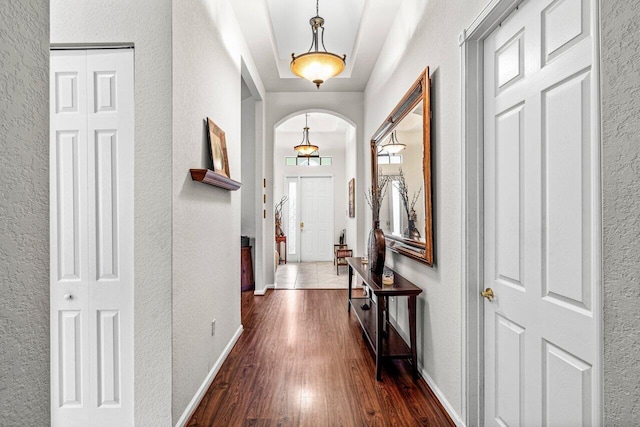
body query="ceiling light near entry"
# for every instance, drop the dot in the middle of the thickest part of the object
(305, 148)
(393, 146)
(315, 65)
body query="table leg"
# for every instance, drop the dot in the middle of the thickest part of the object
(379, 333)
(412, 336)
(349, 295)
(386, 316)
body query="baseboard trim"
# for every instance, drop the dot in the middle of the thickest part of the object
(264, 290)
(191, 407)
(443, 400)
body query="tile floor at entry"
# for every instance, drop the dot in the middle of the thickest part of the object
(311, 275)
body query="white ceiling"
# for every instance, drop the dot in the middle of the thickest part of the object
(274, 29)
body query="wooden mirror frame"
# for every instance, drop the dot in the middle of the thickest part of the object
(420, 91)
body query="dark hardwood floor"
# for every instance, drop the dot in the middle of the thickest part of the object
(302, 361)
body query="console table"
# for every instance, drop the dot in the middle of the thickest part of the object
(282, 239)
(383, 338)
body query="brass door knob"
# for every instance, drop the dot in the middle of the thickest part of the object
(488, 294)
(301, 225)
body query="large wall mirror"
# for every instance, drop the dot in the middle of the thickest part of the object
(401, 168)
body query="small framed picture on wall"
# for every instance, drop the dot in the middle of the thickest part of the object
(218, 144)
(352, 198)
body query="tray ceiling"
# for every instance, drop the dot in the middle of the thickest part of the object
(274, 29)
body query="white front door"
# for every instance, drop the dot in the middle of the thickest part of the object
(540, 229)
(316, 219)
(91, 217)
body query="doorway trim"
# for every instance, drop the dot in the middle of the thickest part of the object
(471, 42)
(299, 178)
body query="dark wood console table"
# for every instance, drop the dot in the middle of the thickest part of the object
(383, 338)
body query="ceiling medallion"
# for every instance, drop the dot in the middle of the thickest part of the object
(305, 148)
(317, 66)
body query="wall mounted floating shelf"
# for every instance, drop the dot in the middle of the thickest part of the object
(207, 176)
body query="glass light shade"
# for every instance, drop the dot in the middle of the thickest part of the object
(306, 149)
(317, 67)
(393, 148)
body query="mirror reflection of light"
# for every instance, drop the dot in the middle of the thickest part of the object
(306, 393)
(307, 399)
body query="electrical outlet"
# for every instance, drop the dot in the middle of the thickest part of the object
(213, 327)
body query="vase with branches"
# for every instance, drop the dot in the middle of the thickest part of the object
(377, 244)
(278, 215)
(411, 230)
(374, 197)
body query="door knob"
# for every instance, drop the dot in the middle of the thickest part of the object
(488, 294)
(68, 296)
(301, 225)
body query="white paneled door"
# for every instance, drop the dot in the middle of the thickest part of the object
(91, 187)
(541, 226)
(316, 219)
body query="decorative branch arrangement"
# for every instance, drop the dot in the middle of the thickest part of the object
(404, 194)
(375, 200)
(278, 216)
(280, 205)
(411, 231)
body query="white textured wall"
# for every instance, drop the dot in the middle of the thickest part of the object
(426, 34)
(282, 105)
(207, 48)
(351, 153)
(24, 213)
(249, 180)
(620, 62)
(147, 24)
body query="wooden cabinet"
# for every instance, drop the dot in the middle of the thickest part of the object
(246, 277)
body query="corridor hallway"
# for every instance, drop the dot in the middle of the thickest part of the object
(302, 361)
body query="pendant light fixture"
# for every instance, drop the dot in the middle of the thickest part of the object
(315, 65)
(305, 148)
(393, 146)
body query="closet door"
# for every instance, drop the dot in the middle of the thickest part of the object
(91, 237)
(69, 292)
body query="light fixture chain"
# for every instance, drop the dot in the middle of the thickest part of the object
(317, 3)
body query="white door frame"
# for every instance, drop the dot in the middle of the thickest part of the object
(471, 42)
(298, 186)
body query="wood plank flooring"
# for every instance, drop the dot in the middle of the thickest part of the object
(302, 361)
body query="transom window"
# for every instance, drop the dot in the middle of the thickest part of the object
(308, 161)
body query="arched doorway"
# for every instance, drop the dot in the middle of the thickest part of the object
(314, 189)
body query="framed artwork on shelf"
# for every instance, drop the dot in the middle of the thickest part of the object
(218, 145)
(352, 198)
